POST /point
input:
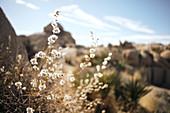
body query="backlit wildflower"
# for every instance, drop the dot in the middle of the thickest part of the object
(43, 72)
(56, 54)
(34, 61)
(2, 69)
(105, 63)
(72, 79)
(92, 55)
(108, 58)
(86, 56)
(34, 83)
(62, 82)
(54, 24)
(18, 84)
(42, 85)
(103, 67)
(89, 64)
(56, 30)
(29, 110)
(49, 60)
(35, 68)
(98, 75)
(56, 13)
(19, 57)
(24, 88)
(21, 75)
(82, 65)
(41, 54)
(110, 54)
(98, 68)
(103, 111)
(92, 50)
(51, 39)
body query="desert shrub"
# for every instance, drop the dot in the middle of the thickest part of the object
(134, 90)
(131, 92)
(49, 88)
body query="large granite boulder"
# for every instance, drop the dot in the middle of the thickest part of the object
(10, 46)
(166, 55)
(145, 59)
(158, 75)
(159, 61)
(131, 56)
(156, 101)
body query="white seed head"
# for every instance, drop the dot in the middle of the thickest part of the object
(29, 110)
(110, 54)
(105, 62)
(92, 50)
(98, 68)
(41, 54)
(34, 61)
(62, 82)
(103, 67)
(92, 55)
(89, 64)
(18, 84)
(72, 79)
(24, 88)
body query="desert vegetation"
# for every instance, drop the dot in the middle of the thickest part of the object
(95, 80)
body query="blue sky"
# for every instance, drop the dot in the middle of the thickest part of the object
(140, 21)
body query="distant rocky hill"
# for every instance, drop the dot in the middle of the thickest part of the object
(38, 41)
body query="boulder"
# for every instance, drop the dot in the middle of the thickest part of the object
(167, 79)
(157, 100)
(158, 75)
(145, 60)
(116, 54)
(166, 55)
(131, 56)
(159, 61)
(148, 74)
(10, 46)
(25, 40)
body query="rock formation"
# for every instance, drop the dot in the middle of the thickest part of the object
(10, 46)
(38, 41)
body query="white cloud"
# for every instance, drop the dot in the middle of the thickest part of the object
(20, 1)
(130, 24)
(82, 18)
(30, 5)
(106, 34)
